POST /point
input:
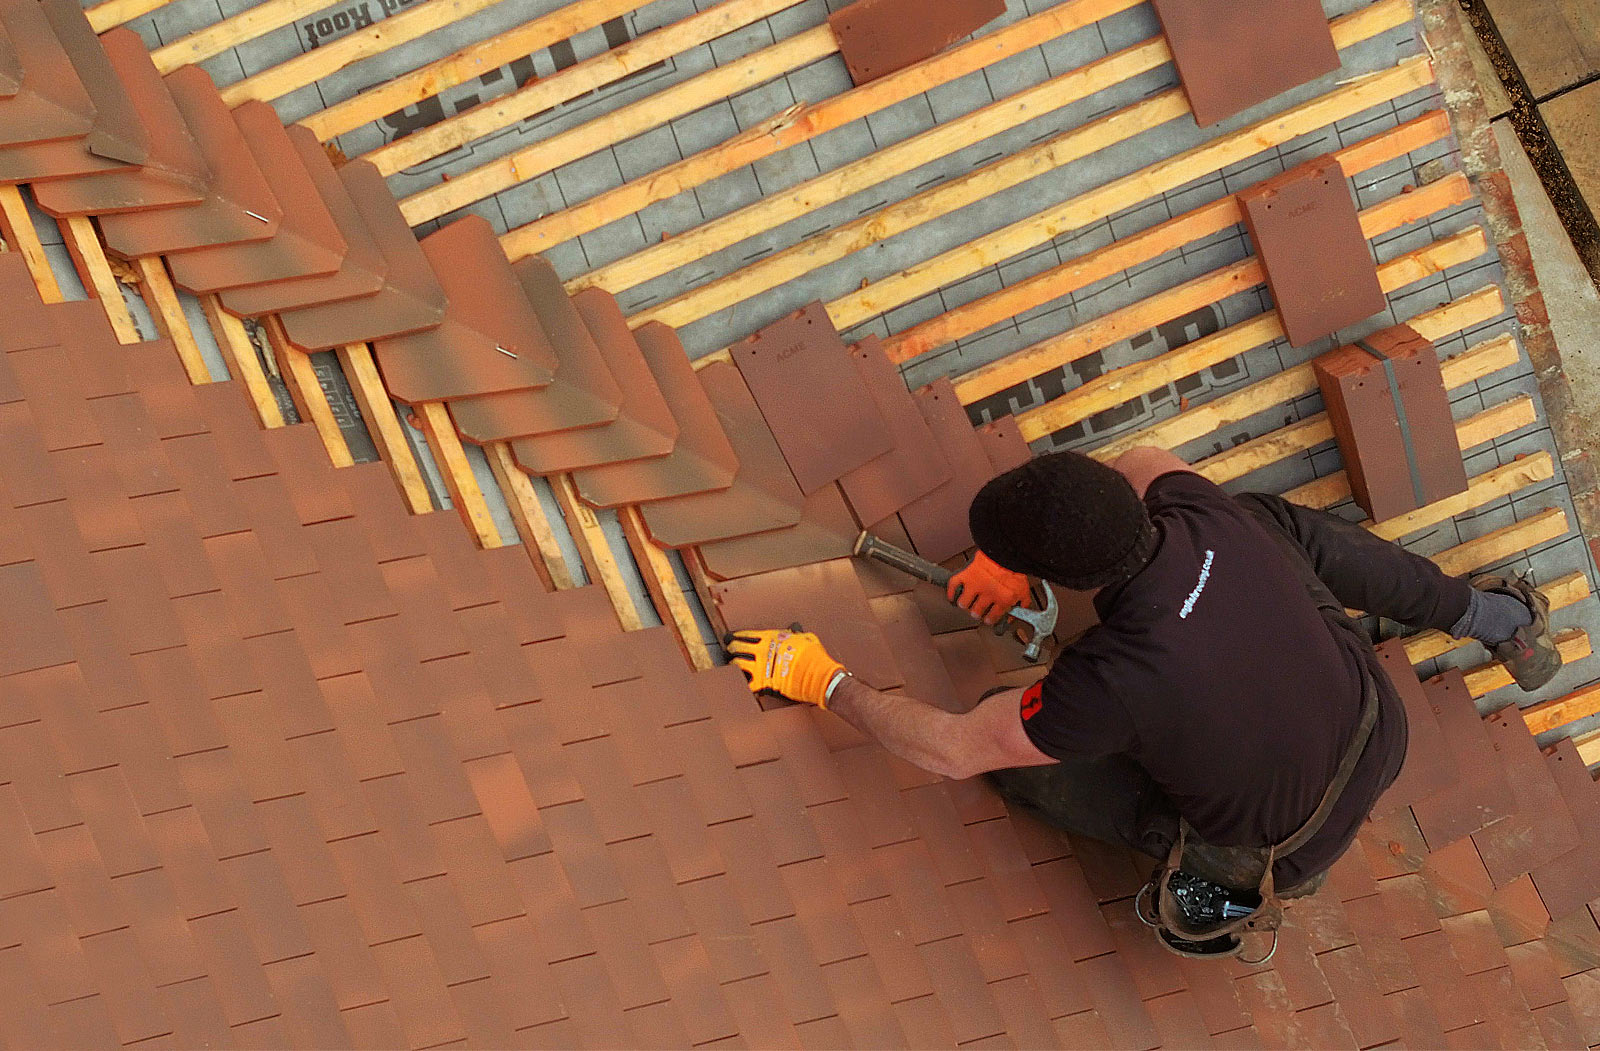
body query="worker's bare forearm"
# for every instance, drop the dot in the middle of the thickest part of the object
(915, 731)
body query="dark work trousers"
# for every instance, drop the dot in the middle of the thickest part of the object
(1112, 799)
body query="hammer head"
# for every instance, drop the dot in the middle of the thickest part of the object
(1042, 621)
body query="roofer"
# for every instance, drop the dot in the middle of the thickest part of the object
(1225, 713)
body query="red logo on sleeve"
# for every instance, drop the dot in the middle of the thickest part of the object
(1032, 700)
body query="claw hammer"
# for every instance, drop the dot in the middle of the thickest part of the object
(1041, 621)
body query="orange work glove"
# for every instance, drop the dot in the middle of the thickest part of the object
(793, 664)
(987, 589)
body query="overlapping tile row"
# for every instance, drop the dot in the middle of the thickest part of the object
(757, 460)
(284, 765)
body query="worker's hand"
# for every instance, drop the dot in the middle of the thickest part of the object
(793, 664)
(987, 590)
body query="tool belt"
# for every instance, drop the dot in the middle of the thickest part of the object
(1268, 915)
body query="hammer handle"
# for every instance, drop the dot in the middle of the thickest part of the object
(904, 561)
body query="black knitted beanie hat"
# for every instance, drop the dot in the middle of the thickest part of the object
(1065, 518)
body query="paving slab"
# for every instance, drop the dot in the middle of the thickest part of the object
(364, 269)
(174, 172)
(238, 207)
(490, 340)
(410, 298)
(583, 392)
(1555, 43)
(1571, 119)
(644, 428)
(763, 496)
(307, 242)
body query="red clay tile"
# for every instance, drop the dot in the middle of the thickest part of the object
(239, 205)
(1568, 882)
(1178, 1019)
(912, 467)
(997, 950)
(505, 947)
(1287, 45)
(29, 635)
(758, 1011)
(10, 69)
(1392, 469)
(417, 991)
(1074, 905)
(728, 938)
(1519, 912)
(409, 299)
(763, 495)
(1429, 767)
(937, 522)
(644, 427)
(1541, 829)
(51, 102)
(1311, 204)
(879, 37)
(627, 960)
(307, 242)
(364, 268)
(822, 1034)
(118, 140)
(373, 1024)
(926, 1022)
(680, 831)
(826, 530)
(825, 598)
(793, 962)
(1558, 1025)
(314, 1020)
(583, 392)
(907, 868)
(490, 339)
(83, 1023)
(1482, 796)
(54, 954)
(240, 983)
(864, 1005)
(961, 990)
(1003, 444)
(823, 420)
(702, 1004)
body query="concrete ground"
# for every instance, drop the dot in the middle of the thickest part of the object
(1570, 293)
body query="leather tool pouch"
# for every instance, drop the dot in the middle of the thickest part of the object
(1228, 865)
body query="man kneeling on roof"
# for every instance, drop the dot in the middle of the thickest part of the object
(1226, 717)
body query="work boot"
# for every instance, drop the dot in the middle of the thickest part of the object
(1530, 655)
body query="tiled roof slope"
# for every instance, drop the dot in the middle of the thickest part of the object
(282, 765)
